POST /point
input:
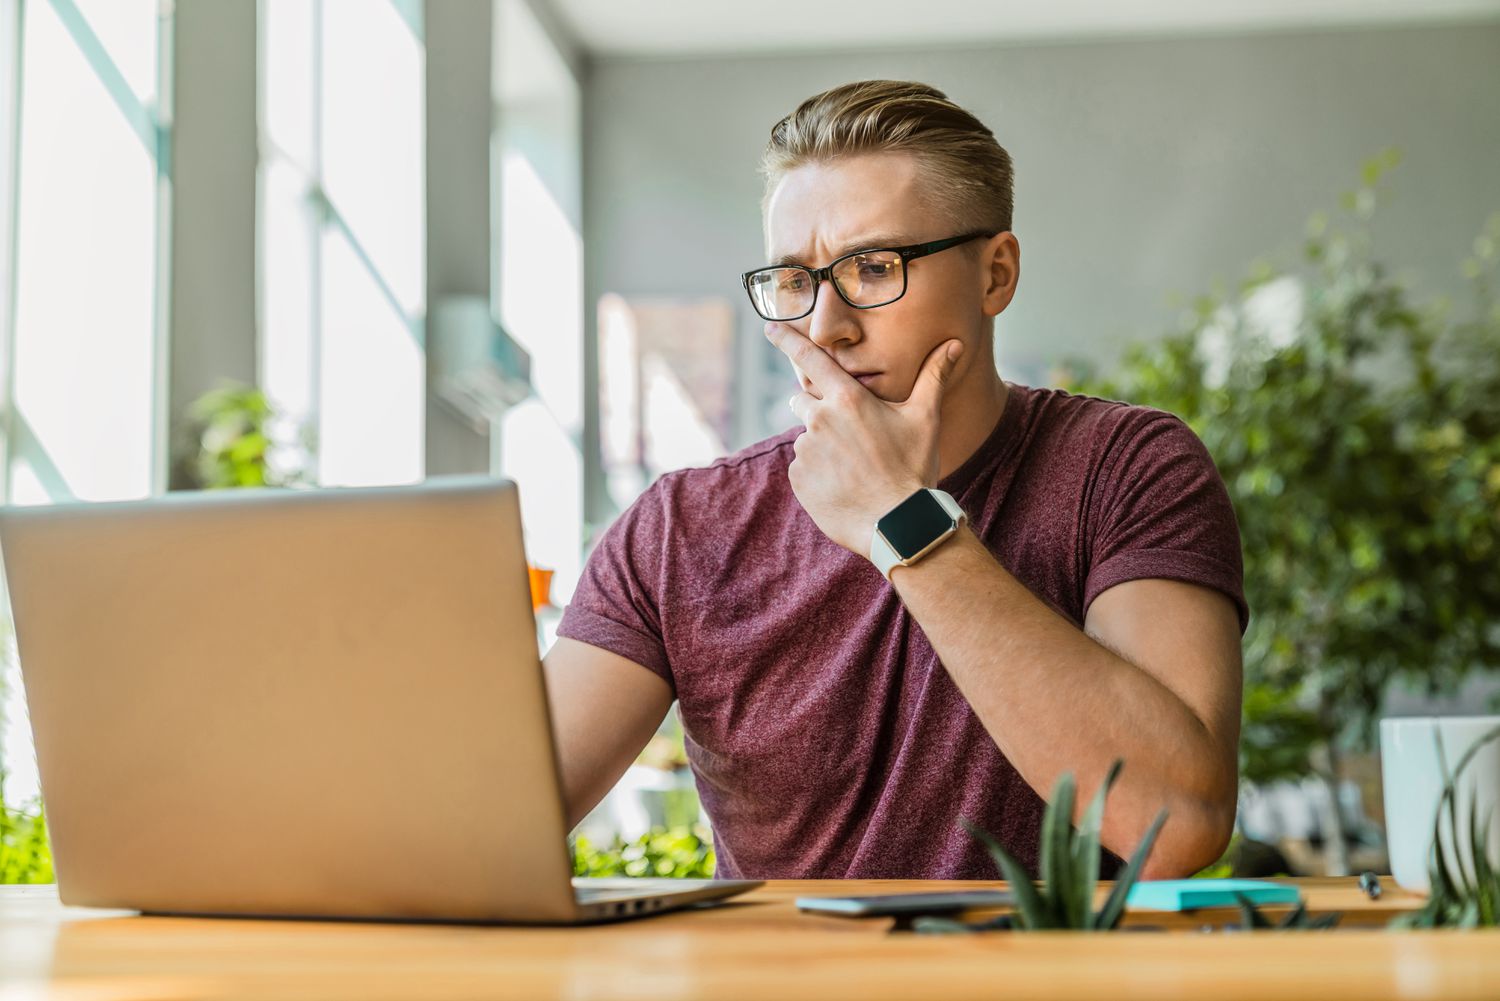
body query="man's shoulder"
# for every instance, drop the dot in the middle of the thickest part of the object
(1073, 444)
(1077, 427)
(748, 470)
(1077, 413)
(745, 491)
(767, 454)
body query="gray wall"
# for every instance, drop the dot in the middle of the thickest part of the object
(1143, 168)
(458, 69)
(213, 305)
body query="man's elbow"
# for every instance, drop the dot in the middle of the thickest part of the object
(1194, 836)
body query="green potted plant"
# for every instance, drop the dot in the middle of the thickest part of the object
(1068, 866)
(25, 853)
(682, 851)
(1357, 432)
(1465, 885)
(233, 436)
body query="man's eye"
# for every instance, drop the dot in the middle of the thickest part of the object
(794, 283)
(876, 270)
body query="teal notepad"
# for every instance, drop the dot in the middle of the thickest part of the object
(1190, 894)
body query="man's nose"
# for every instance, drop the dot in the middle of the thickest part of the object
(832, 319)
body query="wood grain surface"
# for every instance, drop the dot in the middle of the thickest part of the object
(755, 946)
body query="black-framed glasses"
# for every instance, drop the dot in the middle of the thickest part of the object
(864, 279)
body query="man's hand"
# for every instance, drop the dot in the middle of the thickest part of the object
(860, 456)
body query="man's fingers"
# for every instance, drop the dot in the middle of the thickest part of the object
(936, 372)
(812, 361)
(801, 404)
(803, 380)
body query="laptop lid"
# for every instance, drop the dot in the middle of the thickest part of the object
(318, 703)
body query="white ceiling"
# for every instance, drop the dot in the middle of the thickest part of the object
(702, 27)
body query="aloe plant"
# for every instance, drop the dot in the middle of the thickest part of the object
(1461, 896)
(1296, 919)
(1069, 869)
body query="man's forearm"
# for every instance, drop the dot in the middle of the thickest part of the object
(1054, 700)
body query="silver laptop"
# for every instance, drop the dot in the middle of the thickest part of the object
(320, 704)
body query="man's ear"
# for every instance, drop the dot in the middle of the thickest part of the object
(1002, 255)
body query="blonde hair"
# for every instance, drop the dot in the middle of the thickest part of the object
(969, 173)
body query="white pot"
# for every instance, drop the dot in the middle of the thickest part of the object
(1413, 782)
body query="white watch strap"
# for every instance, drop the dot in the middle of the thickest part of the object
(949, 504)
(887, 559)
(883, 556)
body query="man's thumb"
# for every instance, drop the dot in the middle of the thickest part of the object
(936, 371)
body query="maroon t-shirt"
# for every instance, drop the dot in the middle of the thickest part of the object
(826, 738)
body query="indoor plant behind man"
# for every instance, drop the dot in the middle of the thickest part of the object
(861, 660)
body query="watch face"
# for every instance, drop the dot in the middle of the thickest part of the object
(915, 524)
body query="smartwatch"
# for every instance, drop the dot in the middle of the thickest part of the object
(914, 528)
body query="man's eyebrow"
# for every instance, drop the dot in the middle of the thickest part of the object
(875, 242)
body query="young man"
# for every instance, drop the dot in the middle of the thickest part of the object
(840, 719)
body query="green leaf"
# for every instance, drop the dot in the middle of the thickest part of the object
(1295, 918)
(1114, 907)
(248, 447)
(1484, 876)
(1468, 915)
(933, 925)
(1086, 847)
(1055, 864)
(1250, 918)
(1029, 907)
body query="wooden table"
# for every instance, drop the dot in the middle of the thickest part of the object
(758, 945)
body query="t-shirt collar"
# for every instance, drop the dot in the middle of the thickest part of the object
(995, 448)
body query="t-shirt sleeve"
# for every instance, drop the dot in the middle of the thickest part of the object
(1160, 510)
(617, 604)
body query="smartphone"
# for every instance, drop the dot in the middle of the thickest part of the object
(906, 903)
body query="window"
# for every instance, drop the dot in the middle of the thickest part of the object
(342, 241)
(666, 392)
(84, 406)
(85, 413)
(536, 162)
